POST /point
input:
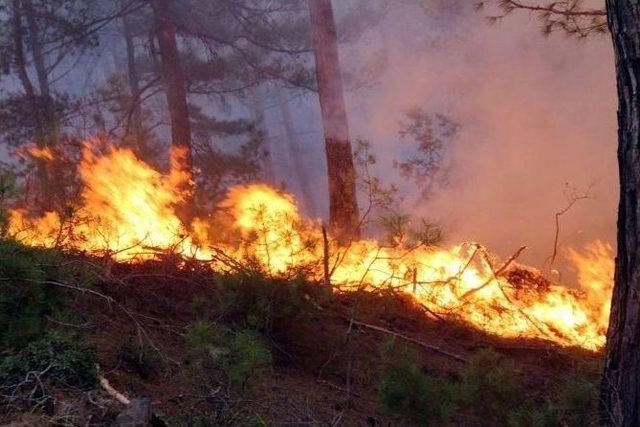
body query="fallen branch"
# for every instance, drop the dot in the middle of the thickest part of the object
(140, 329)
(411, 340)
(104, 383)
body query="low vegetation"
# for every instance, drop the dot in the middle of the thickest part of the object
(37, 351)
(246, 349)
(489, 390)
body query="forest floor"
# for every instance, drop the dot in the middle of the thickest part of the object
(209, 349)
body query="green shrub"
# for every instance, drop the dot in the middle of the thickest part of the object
(575, 402)
(25, 298)
(530, 416)
(406, 389)
(489, 386)
(61, 358)
(241, 355)
(572, 406)
(489, 391)
(259, 303)
(250, 360)
(32, 355)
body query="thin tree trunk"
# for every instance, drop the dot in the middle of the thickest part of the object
(176, 92)
(343, 205)
(46, 100)
(620, 392)
(297, 153)
(255, 103)
(21, 69)
(20, 63)
(134, 85)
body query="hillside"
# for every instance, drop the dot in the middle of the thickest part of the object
(243, 349)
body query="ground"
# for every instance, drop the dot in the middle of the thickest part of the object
(311, 356)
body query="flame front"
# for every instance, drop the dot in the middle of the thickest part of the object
(128, 210)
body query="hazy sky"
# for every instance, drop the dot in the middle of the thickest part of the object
(537, 113)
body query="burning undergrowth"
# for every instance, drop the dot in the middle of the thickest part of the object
(233, 349)
(128, 211)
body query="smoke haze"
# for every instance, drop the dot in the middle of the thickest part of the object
(537, 115)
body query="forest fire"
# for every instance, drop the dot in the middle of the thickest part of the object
(127, 211)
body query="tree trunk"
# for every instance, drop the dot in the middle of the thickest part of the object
(134, 85)
(176, 92)
(620, 392)
(20, 64)
(21, 69)
(255, 104)
(296, 152)
(343, 205)
(46, 100)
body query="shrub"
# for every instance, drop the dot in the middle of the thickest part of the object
(241, 355)
(575, 402)
(57, 357)
(489, 390)
(260, 303)
(32, 355)
(406, 389)
(490, 387)
(25, 298)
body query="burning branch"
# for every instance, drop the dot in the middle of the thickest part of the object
(496, 273)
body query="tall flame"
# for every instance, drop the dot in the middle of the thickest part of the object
(128, 210)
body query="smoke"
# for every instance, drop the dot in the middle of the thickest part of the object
(537, 114)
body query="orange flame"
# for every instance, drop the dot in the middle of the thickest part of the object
(128, 211)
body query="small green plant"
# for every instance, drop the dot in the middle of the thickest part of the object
(24, 299)
(572, 405)
(57, 357)
(575, 402)
(241, 355)
(260, 303)
(406, 389)
(27, 291)
(490, 387)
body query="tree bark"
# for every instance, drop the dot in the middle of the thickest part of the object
(20, 64)
(176, 92)
(343, 205)
(296, 152)
(134, 83)
(46, 101)
(255, 104)
(620, 390)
